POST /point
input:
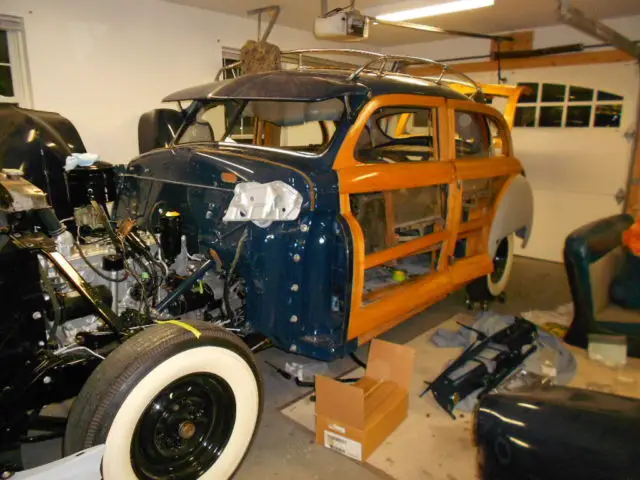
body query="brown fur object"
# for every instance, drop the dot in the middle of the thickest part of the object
(258, 57)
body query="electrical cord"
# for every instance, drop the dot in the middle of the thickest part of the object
(71, 348)
(94, 269)
(340, 9)
(357, 360)
(239, 249)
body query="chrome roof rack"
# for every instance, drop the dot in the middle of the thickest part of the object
(229, 68)
(379, 64)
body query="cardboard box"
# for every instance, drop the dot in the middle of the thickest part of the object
(355, 418)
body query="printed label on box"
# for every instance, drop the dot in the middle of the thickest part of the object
(344, 445)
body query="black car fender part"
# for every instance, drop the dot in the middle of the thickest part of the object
(555, 433)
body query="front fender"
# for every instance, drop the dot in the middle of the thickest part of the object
(513, 213)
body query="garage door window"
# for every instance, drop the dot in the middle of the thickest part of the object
(608, 115)
(550, 105)
(553, 93)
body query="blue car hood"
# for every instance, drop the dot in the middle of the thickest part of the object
(204, 166)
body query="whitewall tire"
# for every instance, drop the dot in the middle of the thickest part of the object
(494, 285)
(503, 263)
(170, 405)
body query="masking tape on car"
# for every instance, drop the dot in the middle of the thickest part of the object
(184, 325)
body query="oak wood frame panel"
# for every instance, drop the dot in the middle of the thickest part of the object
(476, 229)
(391, 305)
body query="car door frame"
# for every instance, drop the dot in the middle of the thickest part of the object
(404, 300)
(506, 168)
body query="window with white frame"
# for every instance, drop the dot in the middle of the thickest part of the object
(549, 105)
(15, 86)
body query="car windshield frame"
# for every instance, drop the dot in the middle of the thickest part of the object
(194, 111)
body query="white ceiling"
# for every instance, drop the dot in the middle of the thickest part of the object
(504, 16)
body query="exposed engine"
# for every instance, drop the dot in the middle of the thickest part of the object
(135, 283)
(68, 266)
(75, 284)
(129, 269)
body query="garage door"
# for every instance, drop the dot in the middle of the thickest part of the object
(573, 135)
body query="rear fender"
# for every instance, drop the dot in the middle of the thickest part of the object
(513, 213)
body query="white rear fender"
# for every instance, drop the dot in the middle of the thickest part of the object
(513, 214)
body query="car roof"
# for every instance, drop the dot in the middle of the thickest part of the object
(316, 85)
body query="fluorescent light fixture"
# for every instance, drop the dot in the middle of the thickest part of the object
(433, 10)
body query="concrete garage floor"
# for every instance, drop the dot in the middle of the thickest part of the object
(284, 450)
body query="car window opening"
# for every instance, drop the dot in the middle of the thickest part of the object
(306, 127)
(399, 134)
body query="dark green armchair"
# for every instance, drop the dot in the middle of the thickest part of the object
(593, 257)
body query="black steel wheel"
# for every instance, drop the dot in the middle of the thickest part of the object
(185, 429)
(177, 401)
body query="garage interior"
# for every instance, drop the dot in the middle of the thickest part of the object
(563, 76)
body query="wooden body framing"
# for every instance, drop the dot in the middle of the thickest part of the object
(394, 304)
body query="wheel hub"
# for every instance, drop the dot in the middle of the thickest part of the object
(184, 429)
(187, 430)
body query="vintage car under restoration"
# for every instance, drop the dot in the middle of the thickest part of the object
(310, 209)
(302, 269)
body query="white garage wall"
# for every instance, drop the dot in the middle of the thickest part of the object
(543, 37)
(101, 63)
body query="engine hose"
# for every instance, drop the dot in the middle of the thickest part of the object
(50, 221)
(185, 285)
